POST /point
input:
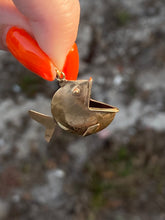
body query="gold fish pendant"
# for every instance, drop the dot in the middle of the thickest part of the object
(74, 111)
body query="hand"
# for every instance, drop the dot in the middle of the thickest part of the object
(53, 24)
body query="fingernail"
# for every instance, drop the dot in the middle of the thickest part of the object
(27, 51)
(71, 66)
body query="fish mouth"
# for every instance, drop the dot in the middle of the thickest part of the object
(94, 105)
(101, 106)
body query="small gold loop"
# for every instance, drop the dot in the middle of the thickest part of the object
(60, 75)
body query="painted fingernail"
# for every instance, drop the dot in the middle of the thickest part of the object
(71, 66)
(27, 51)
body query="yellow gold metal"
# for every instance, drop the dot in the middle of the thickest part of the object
(76, 91)
(73, 110)
(60, 74)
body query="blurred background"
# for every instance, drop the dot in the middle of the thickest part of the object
(117, 174)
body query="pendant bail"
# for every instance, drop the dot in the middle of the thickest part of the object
(60, 75)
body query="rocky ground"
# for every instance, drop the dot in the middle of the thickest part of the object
(117, 174)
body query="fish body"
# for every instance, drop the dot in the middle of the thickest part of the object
(73, 110)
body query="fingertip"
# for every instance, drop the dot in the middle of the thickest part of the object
(71, 66)
(3, 33)
(56, 29)
(52, 73)
(27, 51)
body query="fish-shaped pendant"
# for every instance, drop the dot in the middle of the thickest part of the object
(73, 110)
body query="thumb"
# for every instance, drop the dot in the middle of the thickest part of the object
(54, 25)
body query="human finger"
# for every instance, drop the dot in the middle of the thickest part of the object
(54, 25)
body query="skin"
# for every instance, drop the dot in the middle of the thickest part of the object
(53, 24)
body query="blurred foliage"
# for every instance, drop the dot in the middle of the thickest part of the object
(122, 17)
(121, 173)
(31, 84)
(103, 183)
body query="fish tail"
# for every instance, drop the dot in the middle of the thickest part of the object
(46, 121)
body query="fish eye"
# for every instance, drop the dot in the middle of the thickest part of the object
(76, 90)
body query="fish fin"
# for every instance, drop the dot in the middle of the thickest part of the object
(49, 133)
(46, 121)
(92, 129)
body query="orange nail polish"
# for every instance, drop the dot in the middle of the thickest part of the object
(71, 65)
(27, 51)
